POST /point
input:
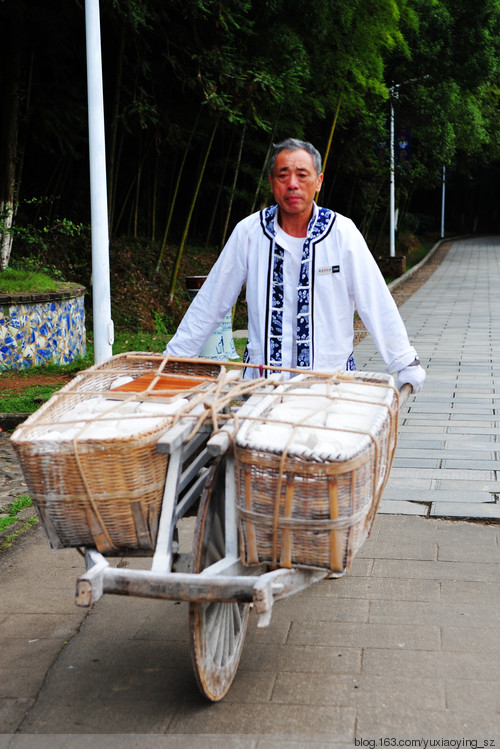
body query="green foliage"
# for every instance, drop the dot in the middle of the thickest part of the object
(5, 522)
(21, 503)
(448, 105)
(44, 229)
(13, 509)
(35, 266)
(10, 538)
(276, 67)
(134, 12)
(164, 323)
(26, 402)
(23, 282)
(36, 236)
(142, 340)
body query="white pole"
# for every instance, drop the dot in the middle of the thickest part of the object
(103, 324)
(443, 201)
(392, 242)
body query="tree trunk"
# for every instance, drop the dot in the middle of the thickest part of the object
(154, 197)
(125, 201)
(23, 120)
(113, 132)
(371, 205)
(327, 152)
(233, 188)
(190, 214)
(138, 188)
(264, 165)
(9, 125)
(6, 222)
(219, 191)
(176, 190)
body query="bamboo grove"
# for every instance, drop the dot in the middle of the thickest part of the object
(196, 91)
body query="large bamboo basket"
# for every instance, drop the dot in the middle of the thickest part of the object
(295, 511)
(105, 493)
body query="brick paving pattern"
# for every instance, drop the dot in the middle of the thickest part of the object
(404, 648)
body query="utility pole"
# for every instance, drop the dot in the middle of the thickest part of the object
(392, 201)
(101, 292)
(443, 191)
(393, 96)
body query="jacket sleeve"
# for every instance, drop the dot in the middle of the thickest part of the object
(374, 302)
(215, 298)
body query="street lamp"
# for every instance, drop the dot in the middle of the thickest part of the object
(101, 294)
(394, 95)
(392, 229)
(443, 191)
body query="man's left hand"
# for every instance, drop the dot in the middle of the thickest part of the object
(413, 375)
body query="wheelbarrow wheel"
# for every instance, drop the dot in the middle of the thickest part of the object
(217, 630)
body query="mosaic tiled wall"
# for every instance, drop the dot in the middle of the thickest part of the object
(42, 328)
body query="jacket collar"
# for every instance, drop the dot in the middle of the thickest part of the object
(319, 225)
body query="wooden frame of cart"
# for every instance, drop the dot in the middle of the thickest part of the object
(251, 536)
(220, 589)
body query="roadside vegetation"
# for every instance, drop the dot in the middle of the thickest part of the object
(14, 281)
(10, 512)
(196, 92)
(10, 519)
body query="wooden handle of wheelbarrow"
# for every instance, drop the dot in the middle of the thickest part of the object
(404, 394)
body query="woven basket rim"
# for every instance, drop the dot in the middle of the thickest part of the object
(243, 439)
(21, 435)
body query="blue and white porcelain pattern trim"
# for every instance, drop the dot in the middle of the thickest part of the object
(34, 333)
(319, 226)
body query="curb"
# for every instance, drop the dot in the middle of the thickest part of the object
(9, 421)
(409, 273)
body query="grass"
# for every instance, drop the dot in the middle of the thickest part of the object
(14, 281)
(12, 536)
(27, 401)
(12, 511)
(415, 257)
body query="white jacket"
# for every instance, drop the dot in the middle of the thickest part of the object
(345, 276)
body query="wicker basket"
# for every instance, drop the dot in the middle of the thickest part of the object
(105, 493)
(296, 511)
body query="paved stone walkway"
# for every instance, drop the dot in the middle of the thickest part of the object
(12, 486)
(12, 482)
(406, 648)
(446, 461)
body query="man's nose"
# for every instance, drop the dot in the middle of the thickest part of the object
(293, 182)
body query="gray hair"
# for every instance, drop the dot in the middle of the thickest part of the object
(292, 144)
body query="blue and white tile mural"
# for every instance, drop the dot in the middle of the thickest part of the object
(39, 332)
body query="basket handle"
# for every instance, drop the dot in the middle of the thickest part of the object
(404, 394)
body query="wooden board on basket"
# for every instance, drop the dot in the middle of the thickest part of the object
(161, 385)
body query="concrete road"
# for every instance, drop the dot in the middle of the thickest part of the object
(407, 646)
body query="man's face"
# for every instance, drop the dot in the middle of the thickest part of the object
(294, 182)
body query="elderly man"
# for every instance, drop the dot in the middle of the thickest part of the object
(306, 268)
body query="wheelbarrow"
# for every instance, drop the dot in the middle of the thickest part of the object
(219, 581)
